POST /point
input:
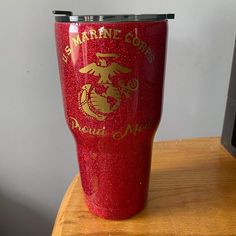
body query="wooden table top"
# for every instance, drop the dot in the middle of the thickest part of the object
(192, 192)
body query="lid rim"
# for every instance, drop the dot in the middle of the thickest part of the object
(70, 18)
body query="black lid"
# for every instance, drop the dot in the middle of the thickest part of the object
(67, 16)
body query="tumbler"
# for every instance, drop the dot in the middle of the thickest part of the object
(112, 72)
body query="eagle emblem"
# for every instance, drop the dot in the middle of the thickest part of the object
(102, 70)
(97, 105)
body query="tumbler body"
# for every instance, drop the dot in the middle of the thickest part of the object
(112, 83)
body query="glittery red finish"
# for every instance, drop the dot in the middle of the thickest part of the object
(114, 153)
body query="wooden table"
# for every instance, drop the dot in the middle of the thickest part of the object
(192, 192)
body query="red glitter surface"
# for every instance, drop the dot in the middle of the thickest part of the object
(114, 154)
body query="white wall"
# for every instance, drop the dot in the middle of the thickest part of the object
(37, 157)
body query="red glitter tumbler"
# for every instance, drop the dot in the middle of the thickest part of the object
(112, 71)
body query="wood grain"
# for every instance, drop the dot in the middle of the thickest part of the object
(192, 192)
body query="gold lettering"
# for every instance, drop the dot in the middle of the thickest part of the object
(74, 123)
(136, 41)
(68, 50)
(100, 31)
(142, 46)
(76, 40)
(84, 129)
(103, 33)
(108, 33)
(149, 55)
(135, 129)
(101, 132)
(148, 52)
(64, 58)
(93, 34)
(92, 131)
(128, 37)
(85, 37)
(116, 34)
(118, 135)
(151, 58)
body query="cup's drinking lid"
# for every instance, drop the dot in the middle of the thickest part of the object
(67, 16)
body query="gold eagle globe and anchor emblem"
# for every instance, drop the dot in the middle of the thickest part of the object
(99, 105)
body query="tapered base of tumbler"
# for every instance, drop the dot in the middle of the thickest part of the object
(114, 214)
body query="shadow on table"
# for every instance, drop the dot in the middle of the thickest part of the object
(17, 219)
